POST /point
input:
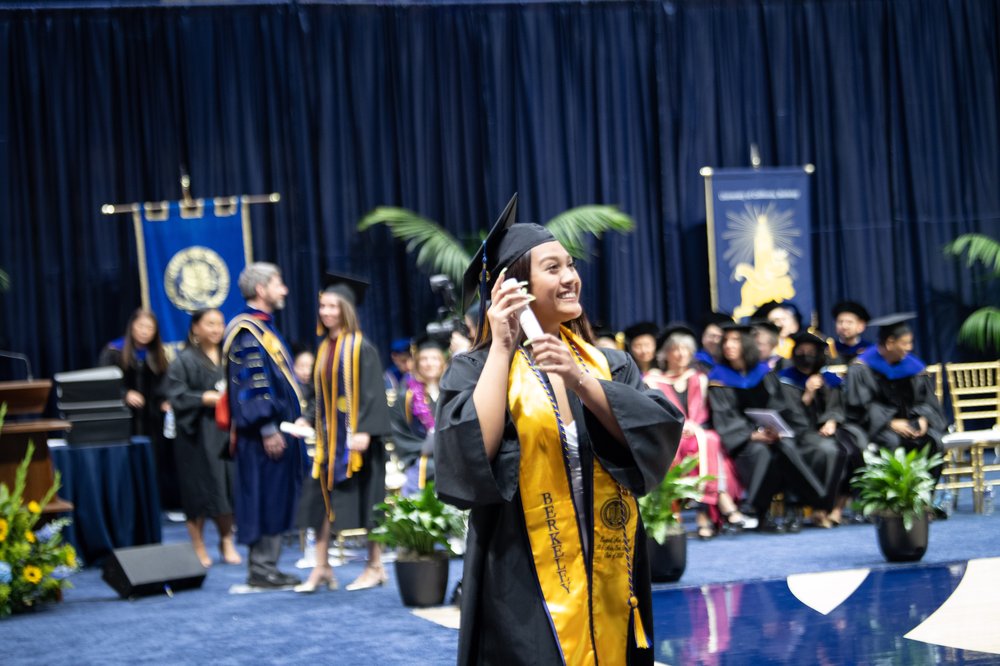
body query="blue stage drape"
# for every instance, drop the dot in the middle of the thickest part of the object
(449, 108)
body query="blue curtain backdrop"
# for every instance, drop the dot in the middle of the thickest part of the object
(449, 108)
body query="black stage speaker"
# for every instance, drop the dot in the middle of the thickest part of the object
(155, 569)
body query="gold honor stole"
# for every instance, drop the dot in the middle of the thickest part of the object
(590, 617)
(326, 440)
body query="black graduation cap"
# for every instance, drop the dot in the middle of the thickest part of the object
(504, 245)
(602, 330)
(766, 325)
(641, 328)
(736, 326)
(351, 289)
(854, 308)
(670, 329)
(805, 337)
(765, 310)
(429, 342)
(716, 319)
(893, 325)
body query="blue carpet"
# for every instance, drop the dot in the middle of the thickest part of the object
(94, 626)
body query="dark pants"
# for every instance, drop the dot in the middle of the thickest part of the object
(264, 555)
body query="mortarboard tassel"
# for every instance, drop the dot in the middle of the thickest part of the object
(484, 277)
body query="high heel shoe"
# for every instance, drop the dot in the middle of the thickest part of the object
(706, 532)
(327, 580)
(370, 577)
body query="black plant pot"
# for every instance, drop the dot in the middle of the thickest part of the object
(668, 560)
(423, 581)
(898, 544)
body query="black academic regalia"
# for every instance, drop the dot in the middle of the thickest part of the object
(504, 618)
(205, 477)
(836, 469)
(786, 465)
(873, 400)
(410, 436)
(353, 500)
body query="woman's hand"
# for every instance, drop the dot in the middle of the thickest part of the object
(505, 303)
(134, 399)
(359, 441)
(210, 398)
(829, 428)
(765, 435)
(553, 357)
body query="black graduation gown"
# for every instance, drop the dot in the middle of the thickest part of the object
(409, 435)
(765, 469)
(353, 500)
(504, 619)
(873, 400)
(205, 474)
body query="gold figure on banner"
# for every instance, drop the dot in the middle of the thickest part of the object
(768, 278)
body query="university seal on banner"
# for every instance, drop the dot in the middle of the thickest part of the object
(196, 278)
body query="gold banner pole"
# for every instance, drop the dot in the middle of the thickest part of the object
(160, 206)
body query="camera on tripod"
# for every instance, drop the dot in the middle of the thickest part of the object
(448, 319)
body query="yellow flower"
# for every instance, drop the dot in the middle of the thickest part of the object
(3, 529)
(30, 536)
(32, 574)
(70, 557)
(34, 507)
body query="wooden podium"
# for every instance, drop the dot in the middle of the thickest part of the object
(28, 398)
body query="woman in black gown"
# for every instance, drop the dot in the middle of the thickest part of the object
(194, 381)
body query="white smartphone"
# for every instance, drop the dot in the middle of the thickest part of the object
(529, 322)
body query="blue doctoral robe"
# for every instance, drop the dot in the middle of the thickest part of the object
(260, 398)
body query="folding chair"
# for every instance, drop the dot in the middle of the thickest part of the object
(974, 389)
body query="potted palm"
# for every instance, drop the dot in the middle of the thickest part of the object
(419, 528)
(666, 541)
(896, 488)
(981, 330)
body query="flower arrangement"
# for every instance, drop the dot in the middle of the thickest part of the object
(34, 564)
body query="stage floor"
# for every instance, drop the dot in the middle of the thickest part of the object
(919, 614)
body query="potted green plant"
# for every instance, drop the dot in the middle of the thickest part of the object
(419, 528)
(896, 489)
(666, 541)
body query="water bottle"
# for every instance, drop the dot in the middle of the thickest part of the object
(988, 501)
(946, 502)
(169, 426)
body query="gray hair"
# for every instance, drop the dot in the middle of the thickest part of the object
(257, 273)
(681, 340)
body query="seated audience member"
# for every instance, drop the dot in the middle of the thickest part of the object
(767, 463)
(412, 415)
(889, 394)
(194, 384)
(851, 320)
(640, 338)
(605, 337)
(402, 363)
(687, 388)
(766, 335)
(818, 396)
(787, 318)
(711, 339)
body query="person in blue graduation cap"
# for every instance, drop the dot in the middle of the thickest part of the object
(402, 363)
(548, 441)
(835, 448)
(352, 420)
(768, 462)
(850, 319)
(412, 414)
(889, 393)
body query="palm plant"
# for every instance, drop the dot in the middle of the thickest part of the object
(982, 328)
(660, 509)
(440, 252)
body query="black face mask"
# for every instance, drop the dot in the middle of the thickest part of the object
(805, 363)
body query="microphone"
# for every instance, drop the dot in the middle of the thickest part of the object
(17, 356)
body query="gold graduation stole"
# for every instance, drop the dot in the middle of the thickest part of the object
(268, 341)
(348, 349)
(591, 620)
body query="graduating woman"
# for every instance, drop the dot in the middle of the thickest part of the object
(767, 461)
(413, 415)
(194, 381)
(548, 443)
(687, 388)
(352, 418)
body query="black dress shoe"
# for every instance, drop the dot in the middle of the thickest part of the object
(770, 526)
(272, 581)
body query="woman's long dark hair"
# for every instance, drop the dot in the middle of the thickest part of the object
(750, 353)
(521, 270)
(196, 317)
(156, 355)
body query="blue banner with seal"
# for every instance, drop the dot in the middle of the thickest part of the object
(190, 257)
(759, 238)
